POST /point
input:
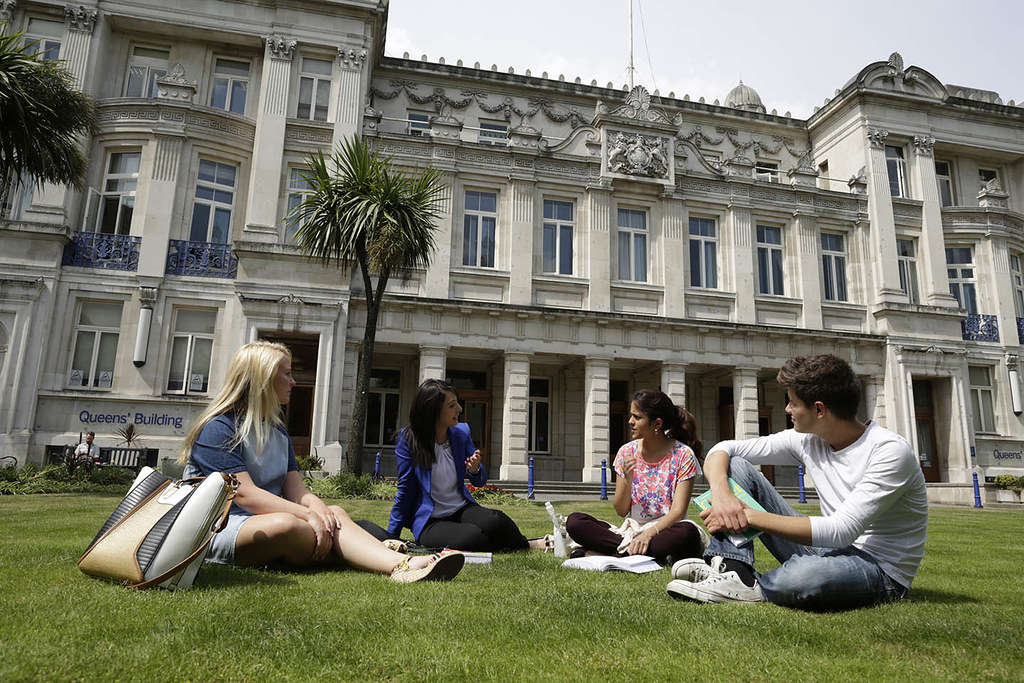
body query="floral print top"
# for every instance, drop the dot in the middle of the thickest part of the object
(654, 485)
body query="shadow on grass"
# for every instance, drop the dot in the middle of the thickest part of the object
(940, 597)
(223, 576)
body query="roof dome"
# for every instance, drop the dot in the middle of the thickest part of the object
(744, 97)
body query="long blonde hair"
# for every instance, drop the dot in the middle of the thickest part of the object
(248, 391)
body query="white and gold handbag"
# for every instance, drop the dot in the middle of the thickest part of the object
(160, 533)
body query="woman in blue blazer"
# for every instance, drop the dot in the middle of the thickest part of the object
(435, 453)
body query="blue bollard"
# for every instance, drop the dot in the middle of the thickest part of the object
(803, 493)
(529, 480)
(376, 466)
(977, 491)
(604, 480)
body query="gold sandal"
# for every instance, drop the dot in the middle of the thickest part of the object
(443, 566)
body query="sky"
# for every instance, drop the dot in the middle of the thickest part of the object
(794, 53)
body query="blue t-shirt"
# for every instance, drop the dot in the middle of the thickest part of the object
(268, 469)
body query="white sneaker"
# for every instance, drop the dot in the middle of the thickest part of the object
(725, 587)
(695, 569)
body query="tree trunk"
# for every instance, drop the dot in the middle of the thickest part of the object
(357, 425)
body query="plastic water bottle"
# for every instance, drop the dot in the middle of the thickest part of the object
(558, 523)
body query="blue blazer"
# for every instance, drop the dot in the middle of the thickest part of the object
(413, 504)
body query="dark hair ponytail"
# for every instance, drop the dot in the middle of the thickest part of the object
(426, 407)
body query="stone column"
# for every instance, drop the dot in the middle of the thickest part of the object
(744, 392)
(349, 104)
(154, 206)
(808, 275)
(596, 388)
(262, 213)
(433, 361)
(515, 417)
(882, 235)
(8, 10)
(673, 382)
(742, 265)
(437, 279)
(599, 213)
(673, 255)
(520, 235)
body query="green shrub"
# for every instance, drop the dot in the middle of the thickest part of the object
(1009, 482)
(111, 475)
(348, 485)
(489, 494)
(309, 462)
(53, 473)
(9, 473)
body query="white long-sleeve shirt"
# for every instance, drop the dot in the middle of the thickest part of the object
(872, 492)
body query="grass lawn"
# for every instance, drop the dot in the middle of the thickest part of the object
(520, 618)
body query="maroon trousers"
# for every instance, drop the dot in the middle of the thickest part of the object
(680, 540)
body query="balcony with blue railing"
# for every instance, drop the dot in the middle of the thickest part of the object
(1020, 330)
(202, 259)
(102, 250)
(979, 327)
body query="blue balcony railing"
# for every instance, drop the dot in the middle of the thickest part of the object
(205, 259)
(978, 327)
(100, 250)
(1020, 330)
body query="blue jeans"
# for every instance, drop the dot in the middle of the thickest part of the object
(810, 578)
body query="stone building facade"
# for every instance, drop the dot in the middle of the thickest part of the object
(594, 241)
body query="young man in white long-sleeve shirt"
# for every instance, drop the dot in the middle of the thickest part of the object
(866, 546)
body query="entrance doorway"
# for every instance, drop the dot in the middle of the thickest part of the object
(924, 420)
(298, 414)
(476, 408)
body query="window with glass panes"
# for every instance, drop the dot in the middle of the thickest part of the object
(985, 176)
(833, 265)
(314, 89)
(896, 168)
(558, 237)
(95, 352)
(42, 37)
(632, 234)
(981, 398)
(16, 195)
(703, 253)
(1018, 284)
(110, 210)
(769, 260)
(479, 226)
(191, 351)
(906, 259)
(419, 124)
(960, 272)
(230, 85)
(767, 171)
(382, 399)
(540, 415)
(944, 178)
(298, 191)
(493, 133)
(213, 203)
(147, 64)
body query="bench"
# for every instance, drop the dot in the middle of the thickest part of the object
(130, 458)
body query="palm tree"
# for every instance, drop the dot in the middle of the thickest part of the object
(41, 116)
(366, 211)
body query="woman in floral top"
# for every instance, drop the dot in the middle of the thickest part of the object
(655, 479)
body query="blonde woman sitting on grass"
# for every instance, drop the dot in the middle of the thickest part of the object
(275, 519)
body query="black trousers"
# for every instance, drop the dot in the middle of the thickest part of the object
(475, 528)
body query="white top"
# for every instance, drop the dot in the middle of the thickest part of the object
(445, 489)
(92, 451)
(872, 492)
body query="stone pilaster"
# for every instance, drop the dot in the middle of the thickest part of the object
(742, 266)
(673, 382)
(77, 40)
(261, 212)
(515, 417)
(931, 247)
(599, 218)
(349, 104)
(155, 207)
(438, 275)
(520, 235)
(809, 270)
(882, 236)
(744, 391)
(673, 234)
(596, 392)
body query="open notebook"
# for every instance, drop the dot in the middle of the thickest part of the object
(638, 564)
